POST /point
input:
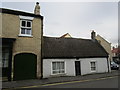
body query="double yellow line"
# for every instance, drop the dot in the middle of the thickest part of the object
(45, 85)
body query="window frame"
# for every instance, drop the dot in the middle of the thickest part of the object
(57, 69)
(26, 28)
(92, 66)
(26, 19)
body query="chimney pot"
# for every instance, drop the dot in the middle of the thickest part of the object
(37, 9)
(93, 35)
(37, 2)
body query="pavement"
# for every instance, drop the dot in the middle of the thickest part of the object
(34, 82)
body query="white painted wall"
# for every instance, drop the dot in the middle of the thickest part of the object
(101, 64)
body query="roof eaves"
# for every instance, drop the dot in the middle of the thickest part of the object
(15, 12)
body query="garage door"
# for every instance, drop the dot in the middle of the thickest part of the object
(25, 66)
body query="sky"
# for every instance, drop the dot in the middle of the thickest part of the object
(76, 18)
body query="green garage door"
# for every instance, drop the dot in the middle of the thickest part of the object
(25, 66)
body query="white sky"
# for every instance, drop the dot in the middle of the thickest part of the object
(75, 18)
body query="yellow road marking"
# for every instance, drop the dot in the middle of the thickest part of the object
(63, 83)
(77, 81)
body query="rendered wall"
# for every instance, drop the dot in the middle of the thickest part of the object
(101, 66)
(11, 29)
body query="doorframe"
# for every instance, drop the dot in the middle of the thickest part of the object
(9, 43)
(79, 67)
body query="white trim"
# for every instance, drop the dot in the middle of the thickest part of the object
(24, 35)
(58, 60)
(92, 71)
(26, 17)
(64, 67)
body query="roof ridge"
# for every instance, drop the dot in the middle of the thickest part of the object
(66, 38)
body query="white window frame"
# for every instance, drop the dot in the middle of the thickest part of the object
(26, 19)
(95, 66)
(56, 70)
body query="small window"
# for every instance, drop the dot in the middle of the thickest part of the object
(58, 68)
(5, 57)
(93, 66)
(26, 27)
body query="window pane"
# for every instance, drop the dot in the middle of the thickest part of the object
(23, 23)
(62, 71)
(5, 57)
(62, 65)
(28, 31)
(28, 24)
(54, 72)
(58, 65)
(93, 66)
(5, 63)
(22, 30)
(54, 65)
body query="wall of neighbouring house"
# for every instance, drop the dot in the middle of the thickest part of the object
(101, 66)
(11, 29)
(105, 44)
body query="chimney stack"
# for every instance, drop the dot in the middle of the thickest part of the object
(93, 35)
(37, 9)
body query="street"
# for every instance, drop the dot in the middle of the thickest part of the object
(111, 82)
(107, 82)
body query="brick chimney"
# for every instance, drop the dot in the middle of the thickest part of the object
(93, 35)
(37, 9)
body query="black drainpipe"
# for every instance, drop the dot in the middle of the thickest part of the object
(108, 64)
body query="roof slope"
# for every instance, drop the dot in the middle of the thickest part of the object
(15, 12)
(71, 48)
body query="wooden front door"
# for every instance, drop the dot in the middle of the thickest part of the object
(77, 68)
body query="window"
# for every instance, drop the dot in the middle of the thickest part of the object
(5, 57)
(26, 27)
(93, 66)
(58, 67)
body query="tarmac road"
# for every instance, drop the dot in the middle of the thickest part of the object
(106, 82)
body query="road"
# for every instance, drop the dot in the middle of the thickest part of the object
(111, 82)
(107, 82)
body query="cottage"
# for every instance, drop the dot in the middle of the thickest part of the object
(73, 56)
(21, 44)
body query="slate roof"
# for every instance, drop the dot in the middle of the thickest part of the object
(72, 48)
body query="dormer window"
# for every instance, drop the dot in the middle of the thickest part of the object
(25, 26)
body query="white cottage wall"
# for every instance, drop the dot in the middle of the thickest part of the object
(46, 68)
(101, 66)
(69, 67)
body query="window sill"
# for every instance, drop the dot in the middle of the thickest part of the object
(25, 35)
(58, 74)
(93, 71)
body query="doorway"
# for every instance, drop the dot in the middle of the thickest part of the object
(25, 66)
(77, 68)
